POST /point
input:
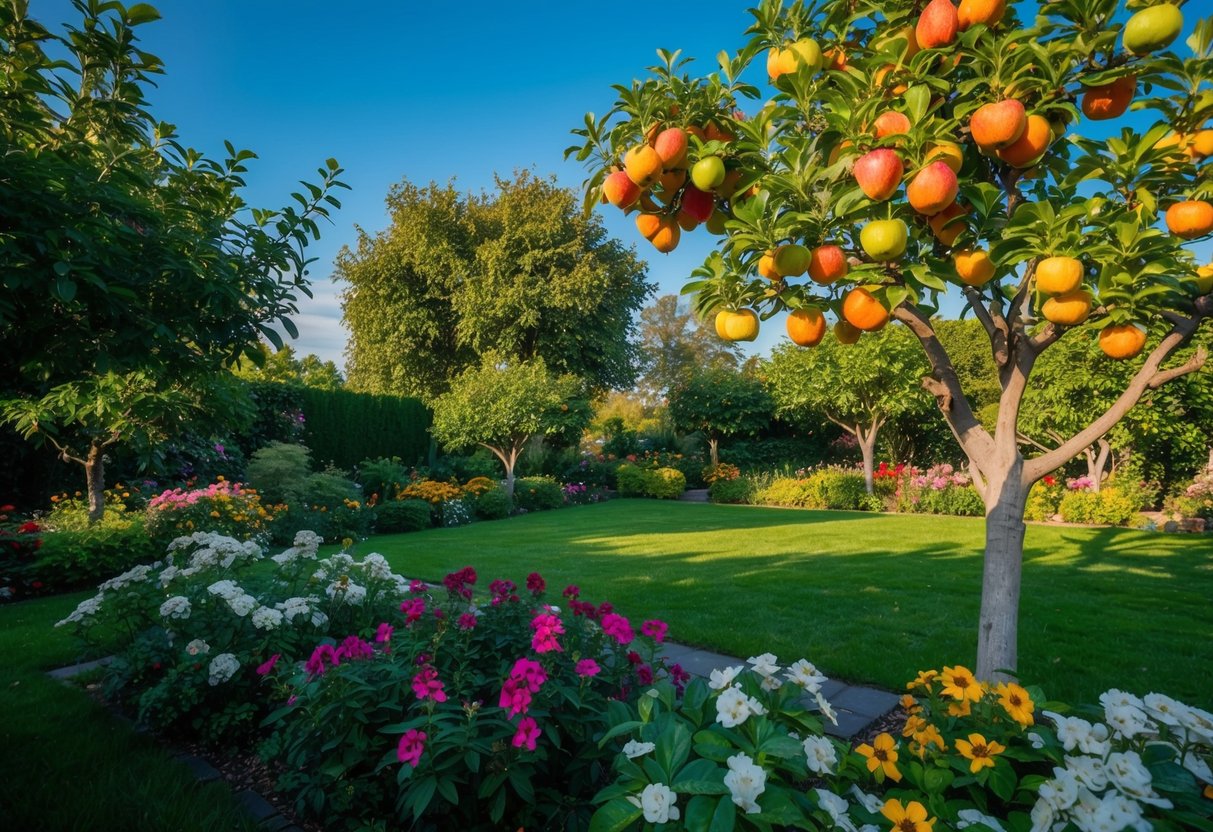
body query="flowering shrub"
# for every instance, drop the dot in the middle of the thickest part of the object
(1194, 500)
(459, 715)
(456, 512)
(537, 494)
(222, 507)
(738, 751)
(20, 541)
(432, 491)
(190, 629)
(479, 485)
(1115, 504)
(940, 489)
(660, 483)
(494, 505)
(832, 487)
(69, 512)
(1044, 500)
(580, 494)
(721, 471)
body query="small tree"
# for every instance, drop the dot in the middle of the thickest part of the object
(720, 403)
(501, 405)
(675, 343)
(860, 387)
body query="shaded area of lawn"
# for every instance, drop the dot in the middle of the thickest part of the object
(870, 598)
(67, 764)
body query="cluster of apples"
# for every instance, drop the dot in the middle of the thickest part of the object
(657, 170)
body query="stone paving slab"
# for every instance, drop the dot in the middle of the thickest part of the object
(76, 669)
(204, 771)
(694, 495)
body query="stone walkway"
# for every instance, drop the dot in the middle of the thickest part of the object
(694, 495)
(857, 707)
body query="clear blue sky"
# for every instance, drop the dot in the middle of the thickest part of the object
(427, 91)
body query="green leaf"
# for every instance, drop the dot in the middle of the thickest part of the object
(65, 288)
(615, 816)
(141, 13)
(725, 816)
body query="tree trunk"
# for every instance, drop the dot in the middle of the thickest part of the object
(714, 450)
(94, 472)
(997, 639)
(867, 447)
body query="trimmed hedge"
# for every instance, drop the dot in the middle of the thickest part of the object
(343, 428)
(403, 516)
(537, 494)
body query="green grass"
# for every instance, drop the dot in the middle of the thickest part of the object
(869, 597)
(67, 764)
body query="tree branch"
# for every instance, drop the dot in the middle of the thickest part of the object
(1020, 301)
(1149, 377)
(995, 324)
(64, 453)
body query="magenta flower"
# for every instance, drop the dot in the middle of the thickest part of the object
(417, 587)
(527, 733)
(530, 672)
(655, 629)
(546, 627)
(467, 621)
(264, 669)
(587, 668)
(535, 583)
(460, 583)
(323, 656)
(572, 591)
(644, 674)
(354, 649)
(384, 633)
(679, 677)
(412, 609)
(427, 685)
(411, 746)
(515, 697)
(617, 627)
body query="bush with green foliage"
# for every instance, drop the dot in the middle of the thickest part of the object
(629, 480)
(664, 483)
(326, 503)
(382, 476)
(537, 494)
(277, 469)
(738, 491)
(1115, 504)
(223, 507)
(1044, 500)
(494, 505)
(403, 516)
(836, 488)
(74, 559)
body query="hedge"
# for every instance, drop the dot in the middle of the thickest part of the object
(343, 428)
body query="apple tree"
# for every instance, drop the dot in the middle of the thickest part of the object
(719, 403)
(1037, 164)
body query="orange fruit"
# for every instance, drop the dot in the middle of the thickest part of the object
(766, 267)
(1058, 275)
(739, 325)
(890, 123)
(845, 333)
(947, 152)
(1122, 341)
(972, 12)
(998, 125)
(1069, 309)
(827, 264)
(1030, 146)
(1190, 219)
(973, 266)
(642, 165)
(1109, 100)
(947, 225)
(806, 327)
(863, 311)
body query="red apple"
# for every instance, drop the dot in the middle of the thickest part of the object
(879, 173)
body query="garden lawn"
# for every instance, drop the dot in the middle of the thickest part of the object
(67, 764)
(868, 597)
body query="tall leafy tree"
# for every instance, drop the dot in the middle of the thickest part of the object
(283, 367)
(860, 387)
(501, 404)
(720, 403)
(131, 266)
(518, 271)
(674, 344)
(991, 128)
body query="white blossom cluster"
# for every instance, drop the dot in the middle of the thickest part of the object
(838, 808)
(176, 607)
(305, 546)
(1104, 784)
(746, 781)
(222, 668)
(266, 618)
(132, 576)
(657, 803)
(212, 549)
(84, 611)
(298, 607)
(346, 591)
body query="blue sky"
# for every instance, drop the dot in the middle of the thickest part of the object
(409, 89)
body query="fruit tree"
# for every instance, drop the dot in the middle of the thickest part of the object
(1041, 163)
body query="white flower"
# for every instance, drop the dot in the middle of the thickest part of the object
(1113, 813)
(1078, 733)
(294, 607)
(319, 619)
(836, 807)
(732, 707)
(746, 782)
(1128, 774)
(266, 618)
(226, 589)
(176, 607)
(805, 675)
(635, 749)
(1043, 816)
(132, 576)
(1126, 720)
(770, 683)
(869, 801)
(167, 575)
(242, 604)
(307, 542)
(377, 567)
(1197, 766)
(223, 667)
(1037, 741)
(1062, 791)
(820, 755)
(1118, 698)
(197, 647)
(721, 679)
(975, 817)
(1198, 722)
(1164, 709)
(350, 592)
(1089, 771)
(826, 709)
(85, 609)
(657, 801)
(764, 665)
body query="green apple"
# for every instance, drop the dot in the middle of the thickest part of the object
(884, 239)
(1152, 29)
(708, 173)
(809, 53)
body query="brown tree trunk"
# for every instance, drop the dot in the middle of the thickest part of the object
(1006, 496)
(867, 447)
(714, 450)
(94, 473)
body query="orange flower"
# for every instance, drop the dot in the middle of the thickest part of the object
(958, 683)
(912, 817)
(980, 752)
(913, 725)
(928, 736)
(925, 677)
(1016, 702)
(882, 755)
(962, 708)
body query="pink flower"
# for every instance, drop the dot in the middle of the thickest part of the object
(412, 609)
(515, 697)
(411, 746)
(427, 685)
(323, 656)
(587, 667)
(679, 677)
(617, 627)
(529, 672)
(354, 648)
(546, 628)
(572, 591)
(467, 621)
(460, 583)
(644, 674)
(655, 629)
(384, 633)
(264, 669)
(417, 587)
(535, 583)
(527, 733)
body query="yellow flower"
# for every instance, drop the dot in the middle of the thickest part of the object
(910, 704)
(913, 725)
(958, 682)
(219, 478)
(961, 708)
(1209, 792)
(929, 736)
(1016, 702)
(883, 756)
(911, 817)
(925, 677)
(979, 751)
(214, 514)
(126, 493)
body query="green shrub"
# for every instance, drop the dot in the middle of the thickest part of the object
(342, 427)
(403, 516)
(494, 505)
(872, 502)
(740, 490)
(961, 501)
(1116, 504)
(480, 463)
(277, 469)
(1079, 507)
(326, 503)
(629, 481)
(382, 476)
(1043, 500)
(836, 488)
(71, 559)
(664, 483)
(537, 494)
(786, 491)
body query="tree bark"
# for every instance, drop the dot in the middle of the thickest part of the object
(94, 474)
(867, 448)
(997, 639)
(714, 450)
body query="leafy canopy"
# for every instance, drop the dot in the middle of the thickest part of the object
(719, 403)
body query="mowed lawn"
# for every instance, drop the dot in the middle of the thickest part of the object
(868, 597)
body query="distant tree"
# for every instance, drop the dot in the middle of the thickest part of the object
(519, 271)
(860, 387)
(131, 266)
(283, 367)
(674, 344)
(499, 405)
(720, 403)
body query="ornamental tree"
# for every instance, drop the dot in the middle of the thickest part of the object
(501, 404)
(860, 387)
(674, 343)
(1043, 172)
(720, 403)
(125, 255)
